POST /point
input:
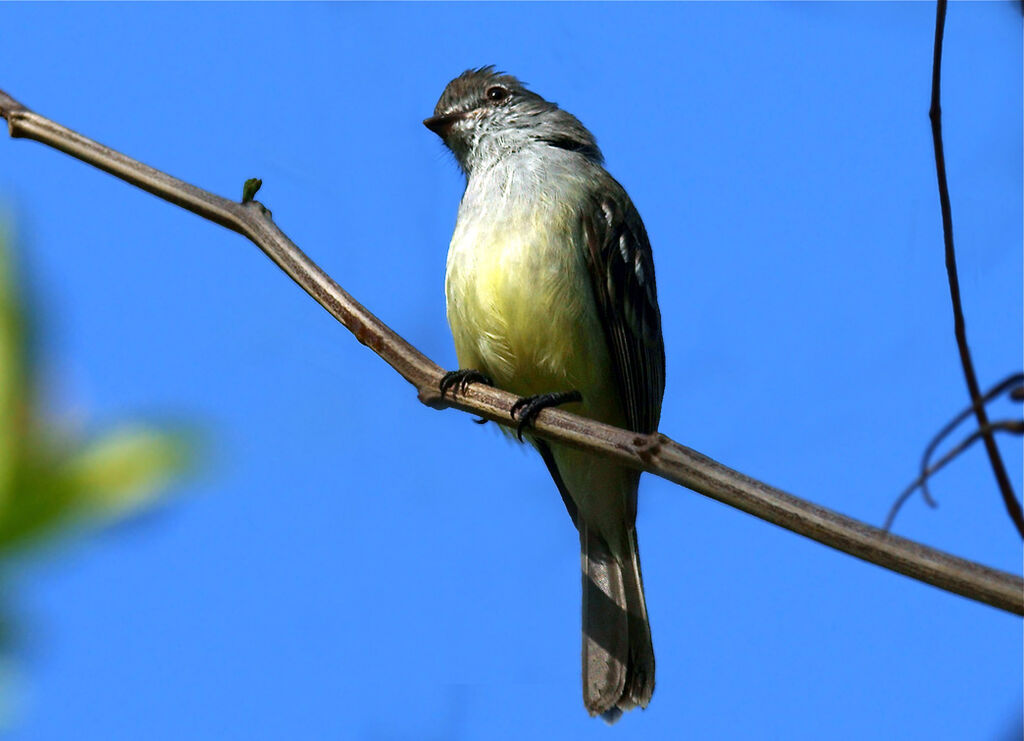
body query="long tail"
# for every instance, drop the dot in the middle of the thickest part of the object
(618, 657)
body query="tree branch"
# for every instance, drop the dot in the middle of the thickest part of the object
(1013, 426)
(959, 328)
(1011, 382)
(654, 453)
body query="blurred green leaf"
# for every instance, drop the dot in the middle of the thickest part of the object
(126, 470)
(51, 485)
(48, 483)
(13, 390)
(100, 483)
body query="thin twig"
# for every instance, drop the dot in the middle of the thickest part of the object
(1014, 426)
(959, 328)
(654, 453)
(1007, 383)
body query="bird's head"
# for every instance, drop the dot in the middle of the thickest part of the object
(484, 115)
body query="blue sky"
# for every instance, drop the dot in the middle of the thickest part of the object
(350, 564)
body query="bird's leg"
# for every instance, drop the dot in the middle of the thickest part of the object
(529, 407)
(460, 380)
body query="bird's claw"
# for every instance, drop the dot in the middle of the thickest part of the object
(459, 380)
(528, 407)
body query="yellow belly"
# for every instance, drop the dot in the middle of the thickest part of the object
(521, 309)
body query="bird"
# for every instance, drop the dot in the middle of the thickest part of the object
(550, 294)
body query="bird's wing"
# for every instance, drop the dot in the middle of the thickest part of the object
(622, 275)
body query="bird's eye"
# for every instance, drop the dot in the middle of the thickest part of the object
(497, 93)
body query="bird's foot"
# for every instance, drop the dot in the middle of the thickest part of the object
(459, 380)
(529, 407)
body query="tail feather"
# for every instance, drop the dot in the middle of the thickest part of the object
(641, 649)
(618, 657)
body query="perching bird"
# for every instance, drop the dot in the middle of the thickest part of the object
(551, 296)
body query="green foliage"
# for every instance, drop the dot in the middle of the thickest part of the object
(53, 486)
(13, 389)
(49, 484)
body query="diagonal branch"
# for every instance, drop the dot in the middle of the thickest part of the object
(959, 327)
(654, 453)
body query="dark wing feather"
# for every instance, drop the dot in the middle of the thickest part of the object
(622, 275)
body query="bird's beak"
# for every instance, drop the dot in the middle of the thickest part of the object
(442, 125)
